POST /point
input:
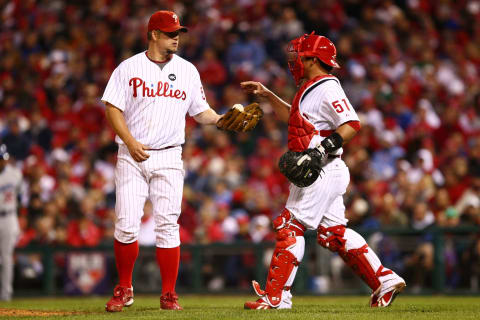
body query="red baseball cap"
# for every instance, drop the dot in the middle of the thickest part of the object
(166, 21)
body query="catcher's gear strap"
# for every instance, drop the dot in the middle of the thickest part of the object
(333, 239)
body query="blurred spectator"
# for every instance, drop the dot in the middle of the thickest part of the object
(83, 231)
(245, 54)
(16, 140)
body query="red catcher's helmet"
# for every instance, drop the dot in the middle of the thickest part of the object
(310, 45)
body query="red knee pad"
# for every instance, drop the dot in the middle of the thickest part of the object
(287, 228)
(282, 220)
(332, 238)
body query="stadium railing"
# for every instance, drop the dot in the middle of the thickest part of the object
(196, 256)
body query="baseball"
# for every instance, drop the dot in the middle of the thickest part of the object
(238, 106)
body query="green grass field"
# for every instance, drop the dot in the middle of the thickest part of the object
(231, 307)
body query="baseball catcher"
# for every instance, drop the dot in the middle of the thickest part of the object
(241, 119)
(321, 120)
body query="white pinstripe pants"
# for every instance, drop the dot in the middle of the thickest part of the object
(324, 198)
(159, 178)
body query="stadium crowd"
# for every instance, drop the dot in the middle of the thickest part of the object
(410, 68)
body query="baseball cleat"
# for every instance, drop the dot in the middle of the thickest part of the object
(257, 305)
(169, 301)
(387, 298)
(122, 297)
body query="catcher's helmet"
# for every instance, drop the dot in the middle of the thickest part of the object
(310, 45)
(3, 152)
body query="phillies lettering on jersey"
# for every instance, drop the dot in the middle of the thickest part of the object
(160, 90)
(155, 99)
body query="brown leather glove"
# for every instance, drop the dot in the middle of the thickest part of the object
(241, 119)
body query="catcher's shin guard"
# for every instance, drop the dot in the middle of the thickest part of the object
(281, 266)
(284, 261)
(353, 249)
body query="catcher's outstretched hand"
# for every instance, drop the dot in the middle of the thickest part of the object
(240, 119)
(256, 88)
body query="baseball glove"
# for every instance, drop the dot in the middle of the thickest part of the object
(240, 119)
(301, 168)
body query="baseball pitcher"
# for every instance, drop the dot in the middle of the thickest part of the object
(147, 99)
(320, 121)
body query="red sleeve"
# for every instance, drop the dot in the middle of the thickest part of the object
(355, 125)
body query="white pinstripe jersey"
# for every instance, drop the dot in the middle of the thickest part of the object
(155, 100)
(325, 105)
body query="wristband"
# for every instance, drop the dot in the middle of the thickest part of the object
(332, 143)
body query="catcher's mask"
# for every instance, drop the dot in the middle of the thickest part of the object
(310, 45)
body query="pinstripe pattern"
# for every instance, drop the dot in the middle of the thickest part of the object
(154, 101)
(317, 107)
(159, 178)
(310, 204)
(131, 193)
(155, 121)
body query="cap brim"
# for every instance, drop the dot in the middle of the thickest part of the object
(175, 28)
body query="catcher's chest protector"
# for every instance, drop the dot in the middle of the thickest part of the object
(300, 131)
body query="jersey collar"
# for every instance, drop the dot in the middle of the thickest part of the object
(155, 61)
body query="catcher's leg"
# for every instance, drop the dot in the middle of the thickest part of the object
(354, 250)
(286, 257)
